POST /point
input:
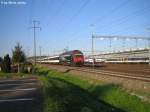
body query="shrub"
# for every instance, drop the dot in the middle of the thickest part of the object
(6, 64)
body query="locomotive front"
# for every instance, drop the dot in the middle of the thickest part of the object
(73, 58)
(77, 58)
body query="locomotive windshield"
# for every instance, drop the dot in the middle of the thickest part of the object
(78, 55)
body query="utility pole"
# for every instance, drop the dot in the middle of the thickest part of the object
(35, 22)
(40, 53)
(149, 50)
(136, 43)
(93, 50)
(110, 43)
(149, 46)
(92, 26)
(123, 44)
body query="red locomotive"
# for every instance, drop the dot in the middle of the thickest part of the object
(73, 58)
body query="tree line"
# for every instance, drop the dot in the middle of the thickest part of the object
(18, 59)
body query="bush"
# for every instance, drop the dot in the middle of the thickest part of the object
(6, 64)
(1, 61)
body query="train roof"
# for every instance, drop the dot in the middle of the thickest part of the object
(72, 52)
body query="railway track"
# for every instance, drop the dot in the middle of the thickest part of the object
(133, 76)
(141, 77)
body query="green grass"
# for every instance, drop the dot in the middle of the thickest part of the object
(69, 93)
(12, 75)
(62, 96)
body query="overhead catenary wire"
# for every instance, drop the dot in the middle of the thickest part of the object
(31, 11)
(74, 16)
(128, 28)
(103, 17)
(58, 11)
(30, 16)
(111, 12)
(124, 19)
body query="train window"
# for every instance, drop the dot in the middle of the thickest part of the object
(56, 58)
(68, 57)
(78, 55)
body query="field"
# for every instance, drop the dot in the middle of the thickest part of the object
(64, 92)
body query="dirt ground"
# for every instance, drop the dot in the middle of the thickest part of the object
(128, 68)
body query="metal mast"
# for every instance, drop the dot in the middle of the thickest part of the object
(35, 22)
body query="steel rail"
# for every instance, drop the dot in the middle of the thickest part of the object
(134, 76)
(124, 73)
(116, 74)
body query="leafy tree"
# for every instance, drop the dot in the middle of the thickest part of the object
(18, 56)
(6, 63)
(1, 63)
(1, 60)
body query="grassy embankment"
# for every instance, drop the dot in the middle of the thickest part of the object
(11, 75)
(64, 92)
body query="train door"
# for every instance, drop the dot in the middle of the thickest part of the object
(72, 63)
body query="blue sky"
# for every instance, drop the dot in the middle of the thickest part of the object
(69, 23)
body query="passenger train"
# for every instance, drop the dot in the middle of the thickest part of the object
(72, 58)
(128, 60)
(76, 58)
